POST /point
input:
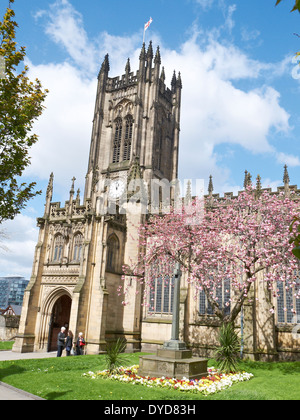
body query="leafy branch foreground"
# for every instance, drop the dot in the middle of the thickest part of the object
(21, 104)
(296, 5)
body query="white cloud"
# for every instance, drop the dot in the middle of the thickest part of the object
(229, 22)
(226, 61)
(215, 112)
(206, 4)
(273, 184)
(65, 126)
(65, 27)
(21, 237)
(288, 160)
(249, 34)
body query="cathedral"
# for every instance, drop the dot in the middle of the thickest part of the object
(77, 277)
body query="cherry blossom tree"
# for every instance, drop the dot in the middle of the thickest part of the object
(242, 240)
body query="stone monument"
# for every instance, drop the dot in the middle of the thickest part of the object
(174, 359)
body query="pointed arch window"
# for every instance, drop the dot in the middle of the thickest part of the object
(128, 138)
(117, 140)
(161, 295)
(222, 296)
(159, 146)
(161, 288)
(77, 251)
(288, 303)
(113, 246)
(58, 248)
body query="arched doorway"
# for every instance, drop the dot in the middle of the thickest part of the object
(60, 317)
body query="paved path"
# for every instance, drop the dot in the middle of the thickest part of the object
(9, 393)
(12, 355)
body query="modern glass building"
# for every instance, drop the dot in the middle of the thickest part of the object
(12, 290)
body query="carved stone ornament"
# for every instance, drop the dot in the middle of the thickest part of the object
(123, 108)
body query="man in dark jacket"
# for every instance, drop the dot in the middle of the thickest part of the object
(61, 338)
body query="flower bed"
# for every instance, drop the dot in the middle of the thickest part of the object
(214, 382)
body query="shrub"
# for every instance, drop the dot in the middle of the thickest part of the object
(114, 357)
(227, 354)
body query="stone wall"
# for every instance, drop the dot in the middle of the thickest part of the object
(8, 327)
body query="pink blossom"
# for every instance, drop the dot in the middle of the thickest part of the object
(240, 239)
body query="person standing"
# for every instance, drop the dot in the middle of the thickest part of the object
(80, 344)
(69, 343)
(61, 338)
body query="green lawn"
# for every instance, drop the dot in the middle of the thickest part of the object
(61, 379)
(6, 345)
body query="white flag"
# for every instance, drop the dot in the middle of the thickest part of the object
(148, 23)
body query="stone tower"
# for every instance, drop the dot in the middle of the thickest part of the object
(77, 269)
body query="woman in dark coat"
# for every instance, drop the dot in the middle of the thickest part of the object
(69, 343)
(61, 341)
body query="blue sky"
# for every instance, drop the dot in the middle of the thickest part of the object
(240, 90)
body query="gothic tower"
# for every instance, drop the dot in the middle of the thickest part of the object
(135, 116)
(77, 269)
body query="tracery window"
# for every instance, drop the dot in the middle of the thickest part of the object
(77, 250)
(222, 296)
(159, 146)
(58, 248)
(161, 290)
(117, 140)
(113, 246)
(122, 139)
(161, 295)
(288, 303)
(128, 138)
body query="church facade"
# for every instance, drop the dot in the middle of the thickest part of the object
(77, 270)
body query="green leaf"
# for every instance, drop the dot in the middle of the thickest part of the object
(296, 252)
(296, 6)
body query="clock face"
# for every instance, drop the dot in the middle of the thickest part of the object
(116, 188)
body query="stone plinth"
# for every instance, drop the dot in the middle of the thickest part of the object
(174, 354)
(173, 364)
(174, 360)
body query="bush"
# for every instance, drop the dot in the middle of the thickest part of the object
(227, 354)
(114, 357)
